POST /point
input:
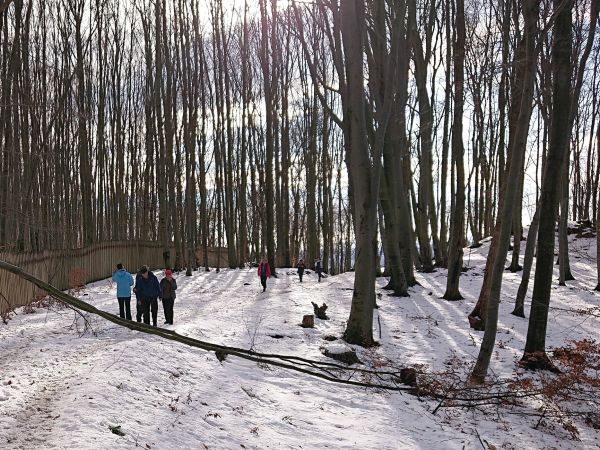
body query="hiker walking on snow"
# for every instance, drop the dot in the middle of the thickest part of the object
(318, 268)
(147, 290)
(168, 286)
(300, 266)
(124, 282)
(264, 272)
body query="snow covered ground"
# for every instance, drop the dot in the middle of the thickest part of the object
(60, 389)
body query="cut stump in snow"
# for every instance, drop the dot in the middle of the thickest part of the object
(348, 357)
(320, 311)
(308, 321)
(116, 429)
(221, 356)
(408, 376)
(476, 323)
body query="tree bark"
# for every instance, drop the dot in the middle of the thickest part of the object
(519, 310)
(359, 329)
(455, 254)
(269, 138)
(535, 346)
(515, 169)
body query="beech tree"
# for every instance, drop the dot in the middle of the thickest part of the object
(562, 69)
(455, 253)
(501, 239)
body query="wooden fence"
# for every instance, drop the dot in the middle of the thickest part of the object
(66, 268)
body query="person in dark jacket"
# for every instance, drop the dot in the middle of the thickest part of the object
(301, 266)
(139, 309)
(147, 290)
(168, 286)
(264, 272)
(124, 282)
(319, 268)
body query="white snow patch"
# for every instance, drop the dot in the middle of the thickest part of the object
(66, 390)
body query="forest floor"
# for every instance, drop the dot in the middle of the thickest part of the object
(60, 388)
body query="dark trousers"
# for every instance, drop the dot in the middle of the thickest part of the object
(168, 308)
(300, 273)
(150, 305)
(319, 273)
(263, 282)
(139, 310)
(125, 307)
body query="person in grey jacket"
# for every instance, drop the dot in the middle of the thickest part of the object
(124, 282)
(168, 286)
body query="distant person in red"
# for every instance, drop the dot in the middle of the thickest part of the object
(264, 272)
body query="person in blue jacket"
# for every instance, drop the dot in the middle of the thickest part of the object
(147, 291)
(124, 282)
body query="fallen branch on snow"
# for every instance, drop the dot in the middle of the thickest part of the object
(320, 369)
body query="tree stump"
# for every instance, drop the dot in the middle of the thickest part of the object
(408, 376)
(476, 323)
(320, 311)
(308, 321)
(347, 357)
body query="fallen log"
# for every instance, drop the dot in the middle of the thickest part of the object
(319, 369)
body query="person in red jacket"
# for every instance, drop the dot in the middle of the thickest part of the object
(264, 272)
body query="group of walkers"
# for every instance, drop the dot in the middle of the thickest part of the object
(148, 290)
(264, 270)
(301, 266)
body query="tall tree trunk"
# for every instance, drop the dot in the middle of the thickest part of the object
(443, 262)
(598, 218)
(425, 187)
(85, 167)
(359, 328)
(243, 205)
(455, 254)
(535, 346)
(268, 79)
(515, 169)
(565, 268)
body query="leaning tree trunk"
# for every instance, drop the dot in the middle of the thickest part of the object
(518, 117)
(519, 310)
(535, 347)
(455, 254)
(515, 169)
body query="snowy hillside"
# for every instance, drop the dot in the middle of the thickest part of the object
(60, 389)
